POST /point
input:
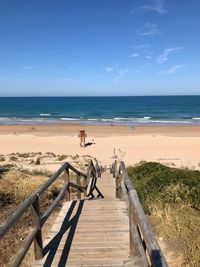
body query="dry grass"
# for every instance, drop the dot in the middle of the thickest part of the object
(171, 198)
(180, 225)
(15, 186)
(2, 158)
(17, 183)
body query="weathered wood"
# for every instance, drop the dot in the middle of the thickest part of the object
(76, 171)
(101, 235)
(154, 251)
(115, 170)
(138, 221)
(33, 202)
(78, 182)
(4, 227)
(35, 212)
(85, 186)
(137, 251)
(66, 178)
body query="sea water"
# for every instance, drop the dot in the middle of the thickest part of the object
(127, 110)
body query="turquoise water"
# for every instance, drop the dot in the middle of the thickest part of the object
(133, 111)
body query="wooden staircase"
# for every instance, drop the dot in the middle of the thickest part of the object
(90, 232)
(109, 231)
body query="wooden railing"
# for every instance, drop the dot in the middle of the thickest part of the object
(33, 202)
(143, 245)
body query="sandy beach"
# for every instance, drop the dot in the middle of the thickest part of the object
(174, 146)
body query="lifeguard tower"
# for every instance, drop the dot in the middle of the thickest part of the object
(82, 135)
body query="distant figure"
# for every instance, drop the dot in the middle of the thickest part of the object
(82, 135)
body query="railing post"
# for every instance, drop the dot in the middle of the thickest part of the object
(35, 211)
(137, 251)
(132, 222)
(85, 185)
(66, 178)
(118, 178)
(78, 181)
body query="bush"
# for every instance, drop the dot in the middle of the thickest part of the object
(2, 159)
(155, 182)
(172, 197)
(62, 157)
(38, 161)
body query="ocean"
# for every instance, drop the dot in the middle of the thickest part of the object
(127, 110)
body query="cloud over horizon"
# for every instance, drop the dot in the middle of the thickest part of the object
(173, 69)
(164, 56)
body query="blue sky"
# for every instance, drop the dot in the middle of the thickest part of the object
(99, 47)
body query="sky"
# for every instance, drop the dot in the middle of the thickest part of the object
(99, 47)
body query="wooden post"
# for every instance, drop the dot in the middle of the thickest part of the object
(117, 182)
(78, 181)
(66, 178)
(132, 222)
(35, 211)
(85, 185)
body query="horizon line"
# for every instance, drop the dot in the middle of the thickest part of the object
(98, 96)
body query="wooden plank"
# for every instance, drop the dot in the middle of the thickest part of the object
(101, 235)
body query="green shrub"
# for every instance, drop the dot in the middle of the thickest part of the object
(172, 197)
(155, 182)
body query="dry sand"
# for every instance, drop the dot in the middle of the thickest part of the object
(175, 146)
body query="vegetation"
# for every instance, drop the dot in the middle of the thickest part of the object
(62, 157)
(38, 161)
(2, 158)
(171, 197)
(15, 187)
(13, 158)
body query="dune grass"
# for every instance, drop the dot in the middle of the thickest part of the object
(171, 197)
(15, 186)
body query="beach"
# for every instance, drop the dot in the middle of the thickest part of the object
(176, 146)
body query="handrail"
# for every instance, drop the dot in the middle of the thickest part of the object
(143, 244)
(39, 220)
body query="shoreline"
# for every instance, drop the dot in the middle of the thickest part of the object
(173, 146)
(99, 130)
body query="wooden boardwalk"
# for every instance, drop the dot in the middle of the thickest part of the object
(90, 232)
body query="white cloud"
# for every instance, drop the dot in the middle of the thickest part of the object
(173, 69)
(157, 6)
(121, 74)
(148, 57)
(109, 69)
(134, 55)
(142, 47)
(124, 72)
(148, 29)
(164, 56)
(146, 50)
